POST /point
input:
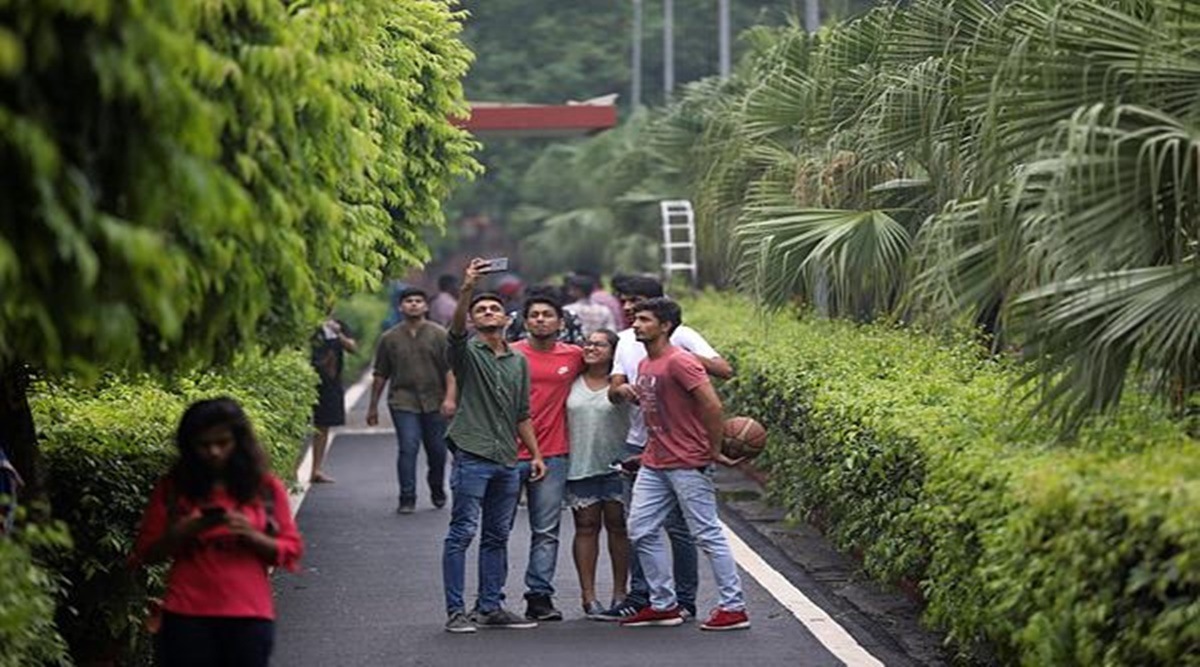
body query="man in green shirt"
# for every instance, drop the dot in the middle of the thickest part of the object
(411, 360)
(493, 412)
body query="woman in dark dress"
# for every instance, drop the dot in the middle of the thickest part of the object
(330, 344)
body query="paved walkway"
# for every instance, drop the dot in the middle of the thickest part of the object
(370, 593)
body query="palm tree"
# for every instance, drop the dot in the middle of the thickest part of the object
(588, 205)
(1032, 165)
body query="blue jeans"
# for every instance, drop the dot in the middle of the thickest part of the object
(480, 487)
(413, 429)
(683, 551)
(545, 513)
(655, 494)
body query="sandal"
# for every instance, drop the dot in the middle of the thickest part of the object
(593, 609)
(321, 478)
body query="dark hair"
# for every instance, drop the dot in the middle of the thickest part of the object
(642, 286)
(545, 295)
(612, 338)
(447, 283)
(663, 309)
(486, 296)
(411, 291)
(582, 282)
(247, 467)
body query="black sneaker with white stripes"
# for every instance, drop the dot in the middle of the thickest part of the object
(624, 609)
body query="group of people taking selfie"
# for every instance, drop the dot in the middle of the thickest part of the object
(623, 428)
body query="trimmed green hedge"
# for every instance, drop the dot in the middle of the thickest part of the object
(104, 447)
(913, 451)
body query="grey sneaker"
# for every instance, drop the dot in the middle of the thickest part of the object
(503, 618)
(406, 507)
(459, 623)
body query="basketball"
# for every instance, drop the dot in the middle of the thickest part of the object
(744, 438)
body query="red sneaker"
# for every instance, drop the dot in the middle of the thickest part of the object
(727, 620)
(651, 617)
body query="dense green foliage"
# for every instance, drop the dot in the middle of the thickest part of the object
(592, 205)
(1028, 165)
(187, 177)
(906, 447)
(185, 181)
(106, 445)
(28, 593)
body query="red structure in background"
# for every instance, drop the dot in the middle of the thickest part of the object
(479, 234)
(540, 120)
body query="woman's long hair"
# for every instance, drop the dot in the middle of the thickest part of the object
(247, 467)
(612, 338)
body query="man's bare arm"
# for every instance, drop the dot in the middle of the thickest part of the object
(450, 402)
(620, 391)
(529, 437)
(458, 323)
(373, 407)
(709, 407)
(716, 367)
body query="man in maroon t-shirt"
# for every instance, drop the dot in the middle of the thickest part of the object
(683, 417)
(553, 367)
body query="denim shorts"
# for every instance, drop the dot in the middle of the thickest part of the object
(588, 491)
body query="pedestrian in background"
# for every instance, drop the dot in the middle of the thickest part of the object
(221, 520)
(606, 299)
(595, 492)
(493, 413)
(441, 309)
(329, 347)
(592, 316)
(411, 360)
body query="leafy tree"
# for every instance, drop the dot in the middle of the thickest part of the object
(186, 179)
(1029, 165)
(592, 205)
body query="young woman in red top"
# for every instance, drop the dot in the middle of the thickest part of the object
(222, 520)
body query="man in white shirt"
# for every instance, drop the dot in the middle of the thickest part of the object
(633, 290)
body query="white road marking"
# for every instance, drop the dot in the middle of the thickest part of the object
(827, 631)
(303, 472)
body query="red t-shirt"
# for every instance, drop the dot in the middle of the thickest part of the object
(678, 438)
(217, 575)
(551, 374)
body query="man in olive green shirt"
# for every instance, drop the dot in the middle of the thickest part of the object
(493, 411)
(411, 360)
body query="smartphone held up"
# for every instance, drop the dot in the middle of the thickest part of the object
(494, 265)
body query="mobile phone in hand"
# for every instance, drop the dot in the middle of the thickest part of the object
(494, 265)
(213, 513)
(628, 466)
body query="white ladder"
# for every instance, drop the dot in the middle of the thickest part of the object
(679, 238)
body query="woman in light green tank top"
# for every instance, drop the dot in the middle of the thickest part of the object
(597, 430)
